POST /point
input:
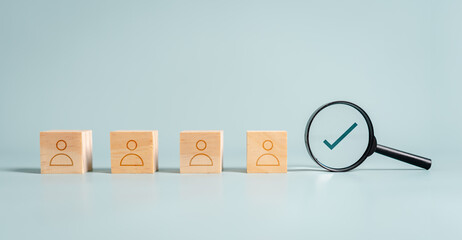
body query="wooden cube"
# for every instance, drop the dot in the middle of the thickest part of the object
(266, 151)
(201, 151)
(134, 151)
(66, 151)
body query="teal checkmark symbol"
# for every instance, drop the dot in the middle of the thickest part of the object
(332, 146)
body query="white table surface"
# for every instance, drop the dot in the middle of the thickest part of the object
(382, 199)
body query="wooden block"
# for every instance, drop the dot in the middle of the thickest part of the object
(266, 151)
(134, 151)
(201, 151)
(66, 151)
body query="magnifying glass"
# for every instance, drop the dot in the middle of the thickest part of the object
(339, 136)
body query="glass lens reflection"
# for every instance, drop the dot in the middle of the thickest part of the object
(338, 136)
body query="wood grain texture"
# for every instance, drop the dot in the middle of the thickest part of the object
(201, 151)
(134, 151)
(266, 151)
(66, 151)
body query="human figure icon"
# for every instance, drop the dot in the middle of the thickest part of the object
(61, 159)
(131, 159)
(201, 159)
(267, 159)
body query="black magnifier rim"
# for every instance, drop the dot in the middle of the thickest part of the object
(369, 150)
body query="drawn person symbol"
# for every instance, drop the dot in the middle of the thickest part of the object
(131, 159)
(267, 159)
(201, 159)
(61, 159)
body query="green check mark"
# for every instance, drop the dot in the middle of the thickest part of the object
(332, 146)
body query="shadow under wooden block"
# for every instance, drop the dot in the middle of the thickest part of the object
(134, 151)
(66, 151)
(201, 151)
(24, 170)
(266, 151)
(101, 170)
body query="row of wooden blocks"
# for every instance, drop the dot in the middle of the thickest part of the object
(137, 151)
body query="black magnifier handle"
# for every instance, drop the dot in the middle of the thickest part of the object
(404, 156)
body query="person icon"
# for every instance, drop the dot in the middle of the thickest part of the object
(131, 159)
(61, 159)
(201, 159)
(267, 159)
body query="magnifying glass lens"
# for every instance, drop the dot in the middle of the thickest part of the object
(338, 136)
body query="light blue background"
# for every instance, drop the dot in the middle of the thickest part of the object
(232, 66)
